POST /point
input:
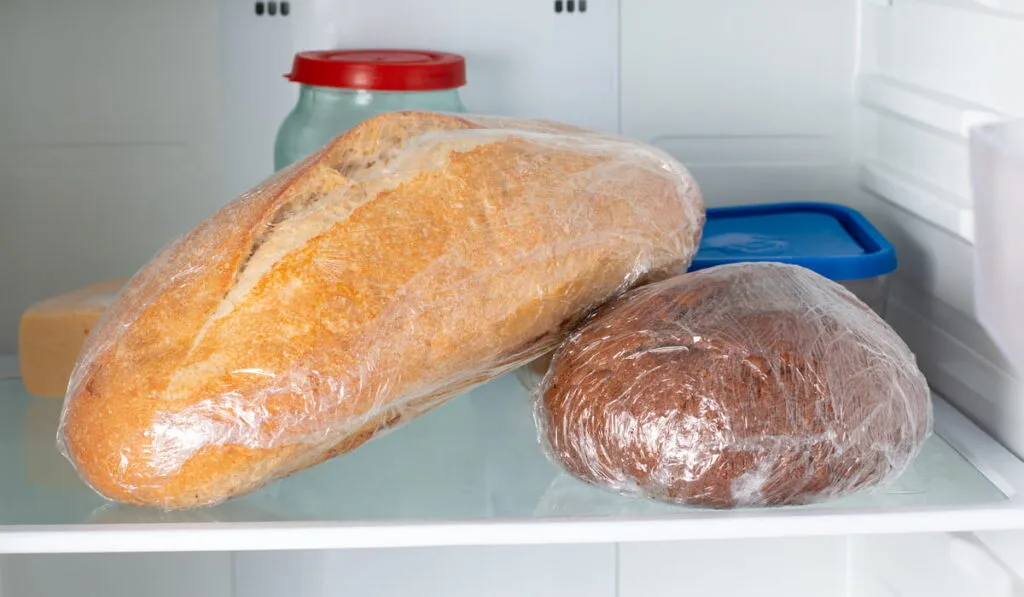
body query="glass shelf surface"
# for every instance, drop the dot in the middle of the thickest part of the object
(476, 458)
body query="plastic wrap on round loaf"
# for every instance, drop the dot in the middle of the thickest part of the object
(414, 257)
(754, 384)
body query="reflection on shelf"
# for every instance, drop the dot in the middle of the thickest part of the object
(477, 458)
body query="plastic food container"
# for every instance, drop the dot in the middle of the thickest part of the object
(997, 177)
(338, 89)
(832, 240)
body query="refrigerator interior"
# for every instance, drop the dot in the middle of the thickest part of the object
(870, 566)
(122, 124)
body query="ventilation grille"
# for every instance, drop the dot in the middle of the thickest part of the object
(570, 6)
(272, 9)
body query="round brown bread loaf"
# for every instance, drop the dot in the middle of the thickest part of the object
(745, 385)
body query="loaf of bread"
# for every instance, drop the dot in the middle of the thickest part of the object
(753, 384)
(412, 258)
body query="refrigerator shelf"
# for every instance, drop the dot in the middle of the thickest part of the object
(468, 473)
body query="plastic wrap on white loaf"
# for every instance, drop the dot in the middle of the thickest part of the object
(416, 256)
(754, 384)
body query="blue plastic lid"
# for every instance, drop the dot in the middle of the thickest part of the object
(832, 240)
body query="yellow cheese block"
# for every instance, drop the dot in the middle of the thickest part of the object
(52, 333)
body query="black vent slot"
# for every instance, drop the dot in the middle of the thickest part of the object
(570, 6)
(272, 9)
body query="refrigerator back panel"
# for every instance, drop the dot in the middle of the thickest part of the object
(753, 96)
(536, 59)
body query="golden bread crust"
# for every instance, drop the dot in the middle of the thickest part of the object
(413, 257)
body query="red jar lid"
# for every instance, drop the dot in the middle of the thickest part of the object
(381, 70)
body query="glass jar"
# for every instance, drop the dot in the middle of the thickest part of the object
(341, 88)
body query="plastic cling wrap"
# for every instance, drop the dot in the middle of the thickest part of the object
(412, 258)
(754, 384)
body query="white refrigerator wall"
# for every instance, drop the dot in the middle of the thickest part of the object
(928, 70)
(109, 139)
(938, 565)
(755, 97)
(121, 575)
(788, 568)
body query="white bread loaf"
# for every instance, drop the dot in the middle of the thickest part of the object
(412, 258)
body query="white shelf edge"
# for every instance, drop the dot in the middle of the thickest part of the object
(1003, 469)
(936, 206)
(944, 113)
